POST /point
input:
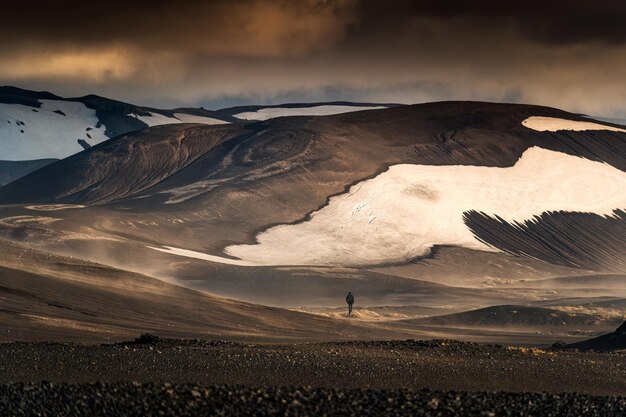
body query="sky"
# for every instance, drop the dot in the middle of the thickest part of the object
(566, 54)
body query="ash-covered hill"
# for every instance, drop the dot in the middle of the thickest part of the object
(511, 315)
(360, 189)
(12, 170)
(36, 126)
(608, 342)
(47, 297)
(120, 168)
(615, 281)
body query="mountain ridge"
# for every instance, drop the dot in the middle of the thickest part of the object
(235, 183)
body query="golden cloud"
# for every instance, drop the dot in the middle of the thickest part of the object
(94, 66)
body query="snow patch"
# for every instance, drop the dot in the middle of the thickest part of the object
(190, 118)
(325, 110)
(52, 131)
(403, 212)
(157, 119)
(199, 255)
(154, 119)
(383, 220)
(553, 124)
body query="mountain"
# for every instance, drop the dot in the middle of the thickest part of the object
(453, 205)
(608, 342)
(511, 315)
(37, 126)
(616, 281)
(12, 170)
(397, 181)
(41, 125)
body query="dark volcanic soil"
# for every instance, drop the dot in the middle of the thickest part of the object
(154, 376)
(127, 399)
(444, 365)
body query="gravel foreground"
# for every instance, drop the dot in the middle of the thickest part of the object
(166, 377)
(134, 399)
(414, 364)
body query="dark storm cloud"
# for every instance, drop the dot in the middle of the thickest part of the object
(544, 21)
(220, 26)
(568, 54)
(169, 22)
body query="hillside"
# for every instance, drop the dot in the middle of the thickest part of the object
(48, 297)
(455, 174)
(608, 342)
(511, 315)
(41, 125)
(12, 170)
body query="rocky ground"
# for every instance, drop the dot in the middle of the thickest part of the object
(134, 399)
(152, 376)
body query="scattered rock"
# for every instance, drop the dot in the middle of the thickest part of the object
(134, 399)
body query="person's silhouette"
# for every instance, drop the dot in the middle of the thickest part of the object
(350, 301)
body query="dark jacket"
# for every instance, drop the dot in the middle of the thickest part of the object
(350, 298)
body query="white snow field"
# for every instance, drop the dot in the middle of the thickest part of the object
(35, 133)
(324, 110)
(204, 256)
(156, 119)
(401, 213)
(553, 124)
(28, 133)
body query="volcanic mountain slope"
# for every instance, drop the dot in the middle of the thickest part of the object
(49, 297)
(449, 265)
(605, 308)
(512, 315)
(548, 237)
(608, 342)
(12, 170)
(404, 179)
(41, 125)
(123, 167)
(599, 302)
(615, 281)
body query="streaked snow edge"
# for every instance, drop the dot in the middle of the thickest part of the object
(402, 213)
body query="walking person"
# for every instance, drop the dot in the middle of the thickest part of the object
(350, 301)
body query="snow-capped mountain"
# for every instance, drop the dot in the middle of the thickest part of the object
(38, 125)
(361, 189)
(41, 126)
(313, 109)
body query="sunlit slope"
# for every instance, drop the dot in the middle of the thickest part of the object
(49, 297)
(358, 189)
